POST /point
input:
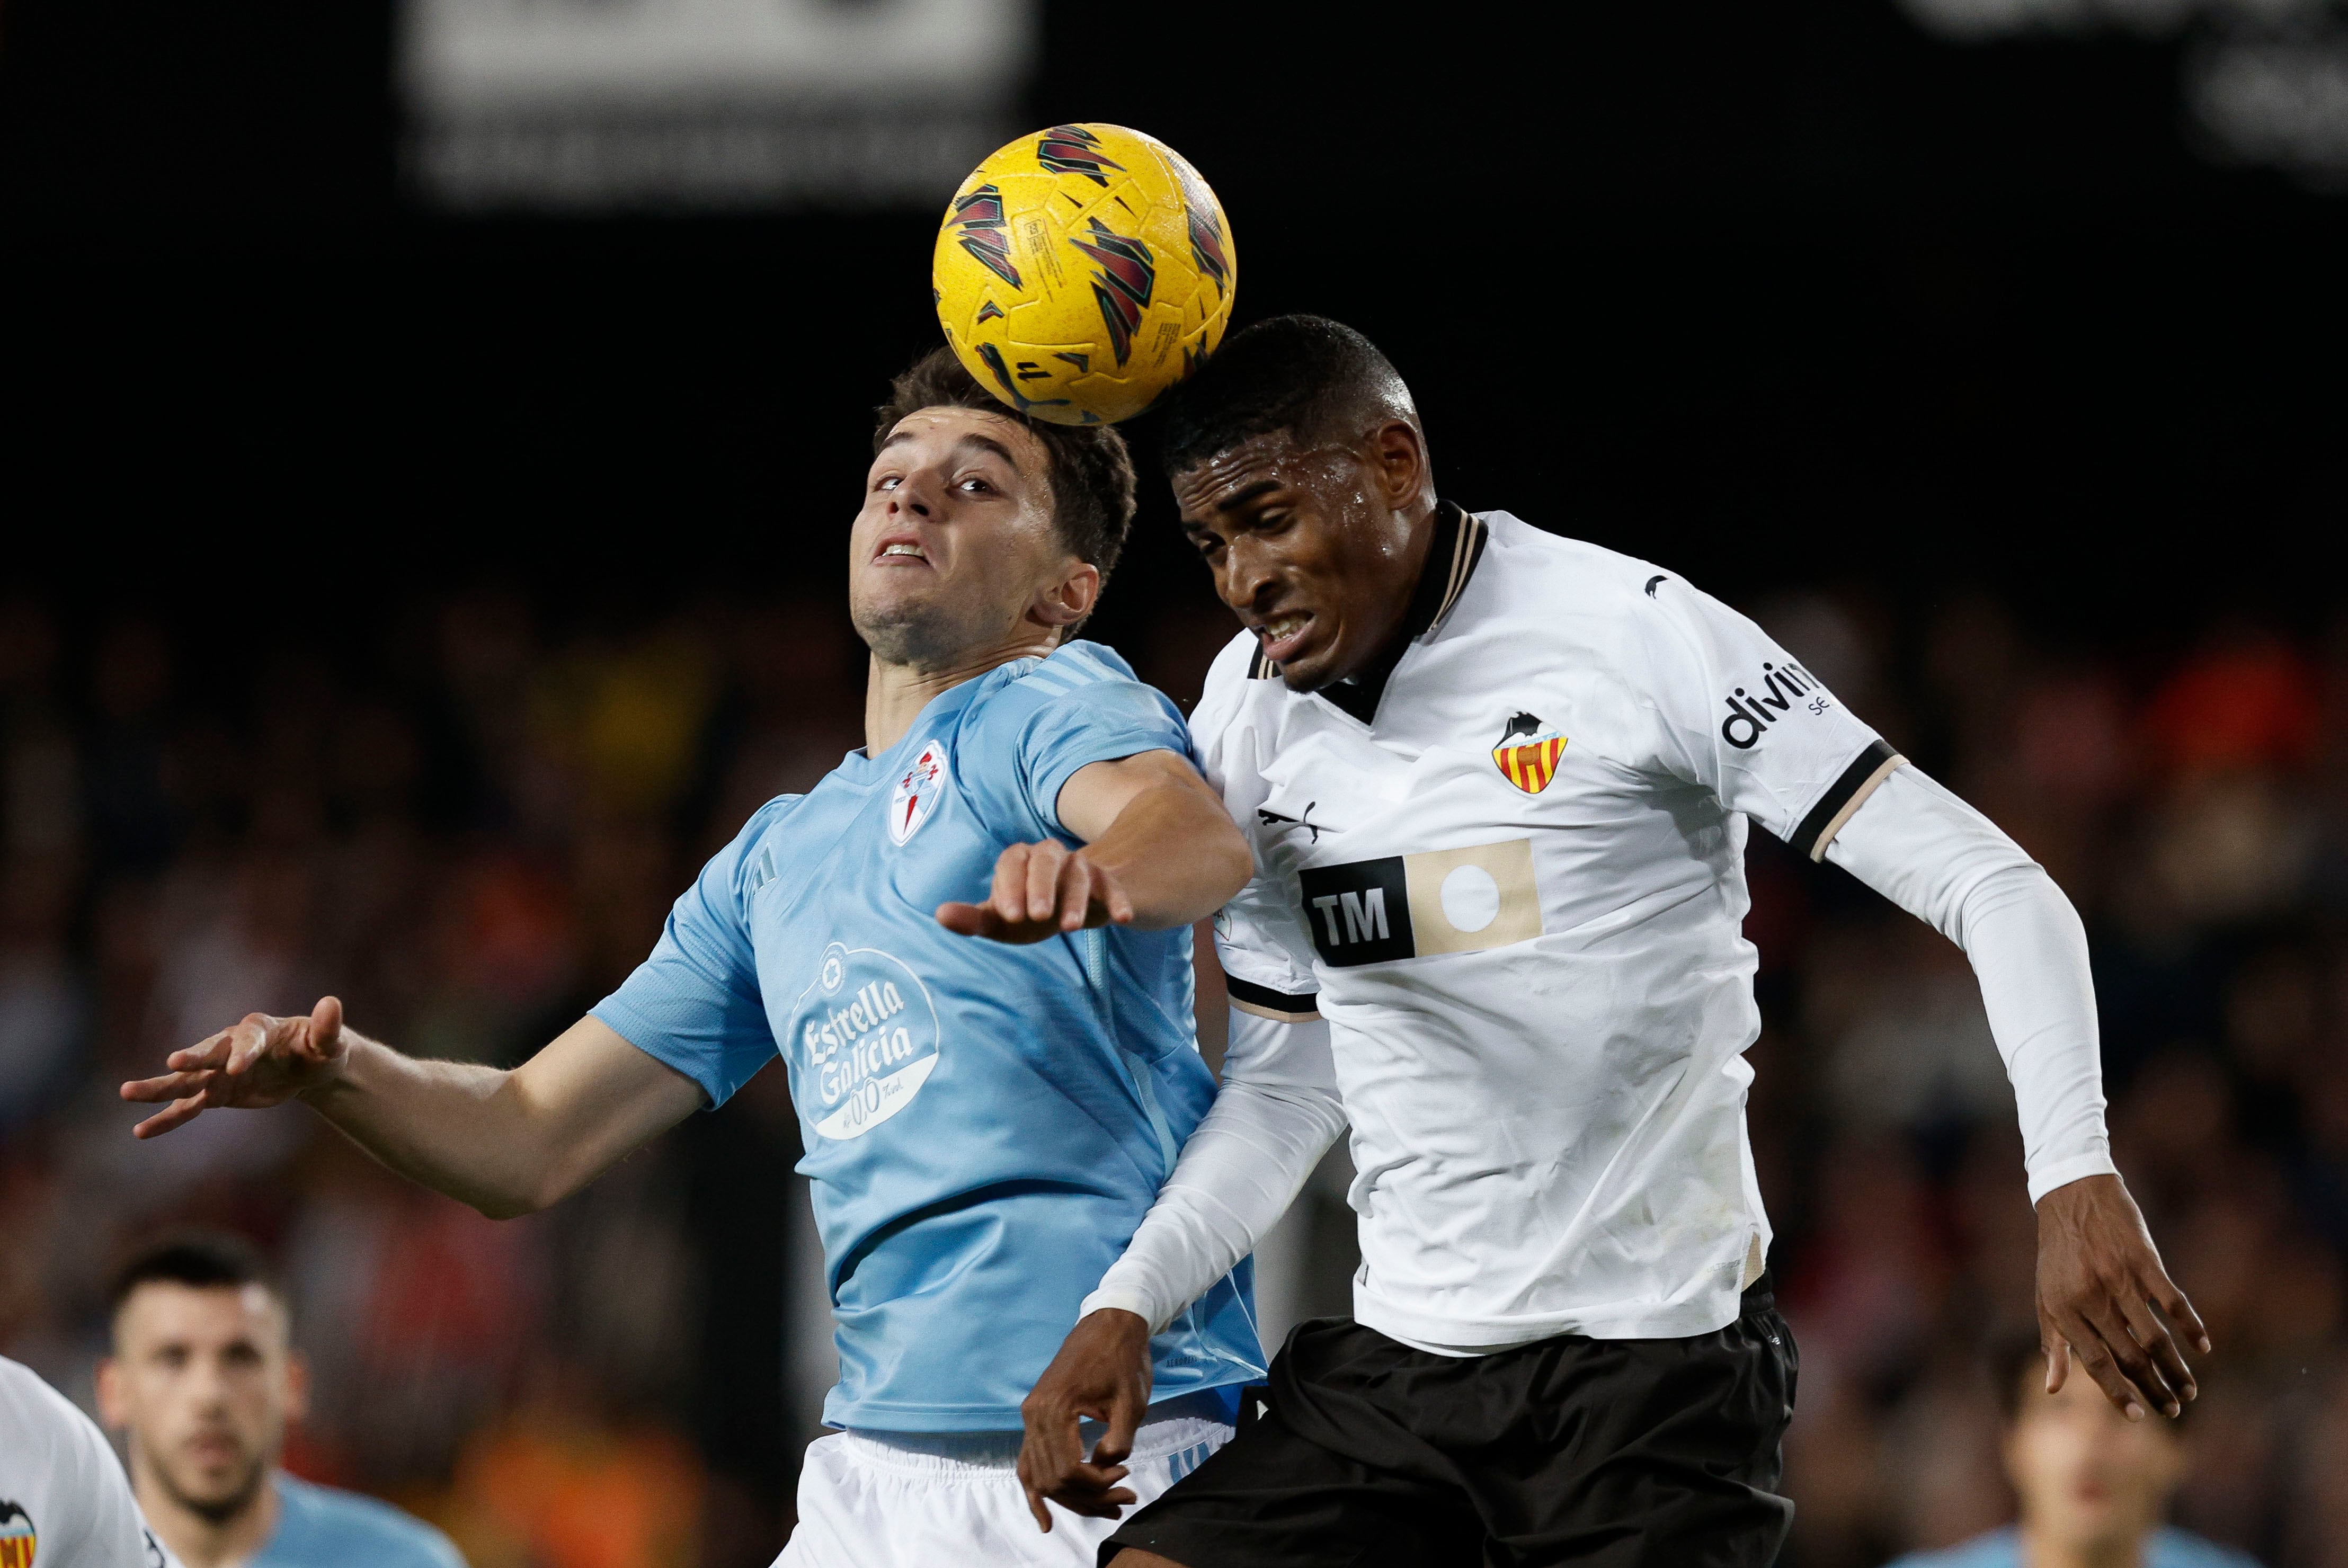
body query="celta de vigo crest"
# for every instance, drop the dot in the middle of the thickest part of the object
(918, 788)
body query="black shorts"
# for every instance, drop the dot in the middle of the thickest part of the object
(1618, 1452)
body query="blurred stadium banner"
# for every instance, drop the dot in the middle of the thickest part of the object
(2265, 81)
(708, 105)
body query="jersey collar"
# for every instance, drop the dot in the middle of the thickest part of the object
(1451, 559)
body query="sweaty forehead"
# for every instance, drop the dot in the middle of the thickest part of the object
(1260, 465)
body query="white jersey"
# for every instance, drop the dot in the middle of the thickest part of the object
(64, 1499)
(1516, 893)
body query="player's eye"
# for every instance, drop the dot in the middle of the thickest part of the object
(976, 485)
(887, 482)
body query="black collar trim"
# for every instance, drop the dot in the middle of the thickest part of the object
(1451, 559)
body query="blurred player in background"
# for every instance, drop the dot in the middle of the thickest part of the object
(1498, 784)
(204, 1380)
(986, 1121)
(64, 1499)
(2093, 1486)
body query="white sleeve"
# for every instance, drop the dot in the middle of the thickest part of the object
(1731, 711)
(92, 1519)
(1945, 863)
(1274, 1116)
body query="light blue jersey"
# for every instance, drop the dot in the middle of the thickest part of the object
(984, 1125)
(320, 1527)
(2003, 1549)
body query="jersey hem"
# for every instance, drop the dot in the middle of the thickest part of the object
(1708, 1312)
(891, 1416)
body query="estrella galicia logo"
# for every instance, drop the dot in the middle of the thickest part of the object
(19, 1542)
(1122, 286)
(1750, 715)
(867, 1033)
(1073, 150)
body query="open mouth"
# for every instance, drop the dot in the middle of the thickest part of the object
(1284, 634)
(900, 551)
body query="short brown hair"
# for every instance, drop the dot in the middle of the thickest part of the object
(1091, 472)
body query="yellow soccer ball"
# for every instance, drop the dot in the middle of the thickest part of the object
(1082, 270)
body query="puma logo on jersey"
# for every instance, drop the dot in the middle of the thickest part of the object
(1273, 819)
(1417, 906)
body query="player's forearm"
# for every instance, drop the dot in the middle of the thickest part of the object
(1237, 1176)
(1942, 860)
(455, 1127)
(1176, 853)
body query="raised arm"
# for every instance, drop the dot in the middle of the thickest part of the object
(506, 1142)
(2103, 1293)
(1159, 851)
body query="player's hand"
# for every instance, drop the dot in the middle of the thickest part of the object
(1040, 890)
(261, 1061)
(2104, 1299)
(1102, 1371)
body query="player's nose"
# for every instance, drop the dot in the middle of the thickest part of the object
(1248, 579)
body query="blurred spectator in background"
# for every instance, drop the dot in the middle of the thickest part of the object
(204, 1381)
(503, 793)
(2093, 1486)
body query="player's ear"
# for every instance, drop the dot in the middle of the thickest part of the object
(1398, 452)
(1063, 603)
(298, 1387)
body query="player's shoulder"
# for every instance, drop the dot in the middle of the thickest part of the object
(28, 1401)
(1997, 1549)
(327, 1524)
(2174, 1548)
(1239, 670)
(1569, 570)
(1074, 682)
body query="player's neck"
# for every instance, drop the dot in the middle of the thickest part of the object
(2043, 1553)
(197, 1540)
(894, 694)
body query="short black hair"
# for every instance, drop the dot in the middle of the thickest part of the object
(1302, 374)
(204, 1260)
(1091, 472)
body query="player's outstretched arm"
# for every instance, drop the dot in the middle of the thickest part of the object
(506, 1142)
(2103, 1293)
(1159, 851)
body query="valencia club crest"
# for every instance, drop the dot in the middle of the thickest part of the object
(1528, 753)
(918, 789)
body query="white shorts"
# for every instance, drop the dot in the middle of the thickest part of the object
(881, 1500)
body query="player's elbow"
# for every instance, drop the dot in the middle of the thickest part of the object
(1231, 865)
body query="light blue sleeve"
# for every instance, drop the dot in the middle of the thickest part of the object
(1099, 722)
(695, 1003)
